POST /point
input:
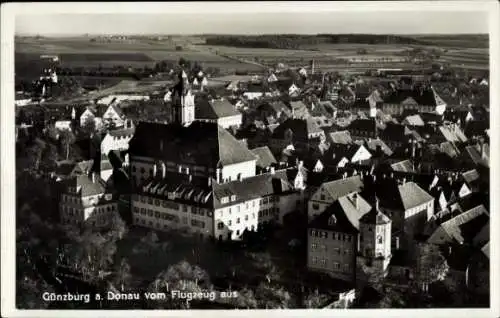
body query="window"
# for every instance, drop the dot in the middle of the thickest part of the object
(150, 212)
(238, 221)
(233, 198)
(229, 210)
(246, 217)
(314, 260)
(237, 232)
(338, 236)
(157, 202)
(253, 215)
(150, 200)
(229, 222)
(184, 208)
(220, 226)
(348, 238)
(322, 197)
(315, 206)
(314, 246)
(337, 250)
(379, 239)
(133, 168)
(323, 262)
(238, 208)
(370, 229)
(336, 265)
(157, 214)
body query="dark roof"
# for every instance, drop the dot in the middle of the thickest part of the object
(214, 109)
(476, 128)
(424, 97)
(375, 216)
(362, 124)
(412, 195)
(265, 156)
(301, 128)
(342, 216)
(460, 227)
(200, 143)
(403, 166)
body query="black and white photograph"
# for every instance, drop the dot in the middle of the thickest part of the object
(249, 156)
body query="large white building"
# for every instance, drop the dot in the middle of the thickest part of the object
(86, 201)
(201, 206)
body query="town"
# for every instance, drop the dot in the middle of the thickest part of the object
(293, 184)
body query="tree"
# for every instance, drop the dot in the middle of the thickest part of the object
(183, 277)
(118, 227)
(270, 297)
(89, 126)
(122, 274)
(35, 152)
(246, 299)
(431, 265)
(67, 139)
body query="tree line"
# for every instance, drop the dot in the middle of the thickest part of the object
(295, 41)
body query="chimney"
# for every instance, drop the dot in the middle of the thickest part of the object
(355, 200)
(163, 170)
(190, 178)
(155, 170)
(397, 242)
(93, 175)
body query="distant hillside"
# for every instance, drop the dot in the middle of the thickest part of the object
(296, 41)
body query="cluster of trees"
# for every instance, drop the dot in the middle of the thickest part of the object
(291, 41)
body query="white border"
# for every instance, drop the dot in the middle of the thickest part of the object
(7, 196)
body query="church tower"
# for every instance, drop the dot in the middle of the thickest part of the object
(374, 244)
(182, 101)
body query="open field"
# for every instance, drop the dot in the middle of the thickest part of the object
(80, 52)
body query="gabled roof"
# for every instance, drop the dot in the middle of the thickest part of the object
(375, 216)
(412, 195)
(403, 166)
(453, 133)
(199, 143)
(473, 154)
(424, 97)
(340, 137)
(342, 216)
(117, 110)
(486, 250)
(414, 120)
(215, 109)
(374, 144)
(457, 228)
(470, 176)
(343, 187)
(86, 185)
(265, 156)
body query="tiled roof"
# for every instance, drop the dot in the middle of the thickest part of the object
(117, 110)
(414, 120)
(412, 195)
(342, 216)
(453, 134)
(199, 143)
(88, 187)
(215, 109)
(340, 137)
(449, 149)
(373, 144)
(455, 227)
(474, 155)
(251, 188)
(403, 166)
(343, 187)
(470, 176)
(265, 156)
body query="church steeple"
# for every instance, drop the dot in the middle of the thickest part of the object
(182, 101)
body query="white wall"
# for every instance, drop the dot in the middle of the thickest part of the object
(113, 143)
(246, 169)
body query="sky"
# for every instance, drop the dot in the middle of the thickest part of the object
(383, 22)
